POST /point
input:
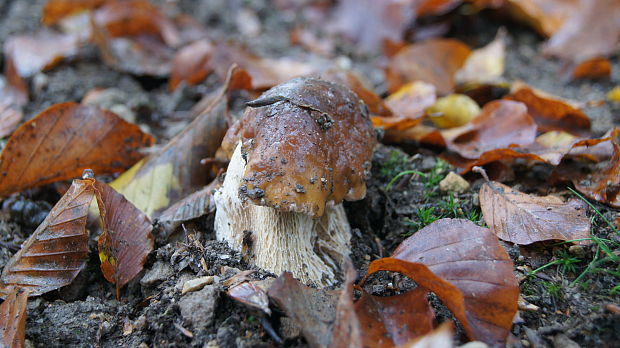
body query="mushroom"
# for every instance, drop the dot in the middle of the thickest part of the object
(297, 152)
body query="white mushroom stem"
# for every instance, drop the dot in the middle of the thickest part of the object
(311, 249)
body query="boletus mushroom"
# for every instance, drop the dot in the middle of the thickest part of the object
(296, 153)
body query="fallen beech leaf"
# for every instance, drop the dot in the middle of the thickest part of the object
(551, 113)
(250, 294)
(375, 104)
(592, 30)
(412, 99)
(32, 53)
(604, 185)
(265, 72)
(191, 207)
(453, 110)
(394, 320)
(525, 219)
(12, 98)
(13, 318)
(57, 250)
(126, 239)
(501, 123)
(486, 64)
(466, 267)
(65, 139)
(368, 22)
(134, 18)
(419, 134)
(438, 338)
(434, 61)
(311, 309)
(55, 10)
(141, 55)
(595, 68)
(346, 331)
(545, 16)
(175, 171)
(491, 156)
(191, 64)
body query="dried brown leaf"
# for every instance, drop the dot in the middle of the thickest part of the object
(501, 124)
(592, 30)
(485, 64)
(55, 10)
(346, 331)
(62, 141)
(126, 240)
(604, 185)
(524, 219)
(191, 64)
(13, 318)
(434, 61)
(545, 16)
(57, 250)
(311, 309)
(250, 294)
(551, 113)
(595, 68)
(175, 171)
(40, 51)
(191, 207)
(468, 270)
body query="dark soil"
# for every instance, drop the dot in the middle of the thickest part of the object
(153, 313)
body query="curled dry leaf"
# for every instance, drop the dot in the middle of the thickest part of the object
(311, 309)
(191, 64)
(549, 112)
(140, 55)
(346, 331)
(250, 294)
(32, 53)
(63, 140)
(175, 171)
(466, 267)
(545, 16)
(134, 18)
(490, 157)
(191, 207)
(604, 185)
(408, 105)
(501, 123)
(56, 10)
(486, 64)
(394, 320)
(13, 318)
(369, 22)
(434, 61)
(592, 30)
(57, 250)
(13, 95)
(524, 219)
(595, 68)
(126, 239)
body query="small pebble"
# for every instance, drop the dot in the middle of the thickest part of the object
(453, 183)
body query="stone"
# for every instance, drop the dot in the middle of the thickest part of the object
(561, 340)
(197, 308)
(158, 273)
(453, 183)
(197, 284)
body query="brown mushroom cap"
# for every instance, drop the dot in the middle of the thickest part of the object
(306, 142)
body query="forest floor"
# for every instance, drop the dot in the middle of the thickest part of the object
(153, 312)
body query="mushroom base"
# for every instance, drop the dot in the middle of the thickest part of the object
(311, 249)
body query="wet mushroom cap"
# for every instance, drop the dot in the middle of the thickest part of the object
(306, 142)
